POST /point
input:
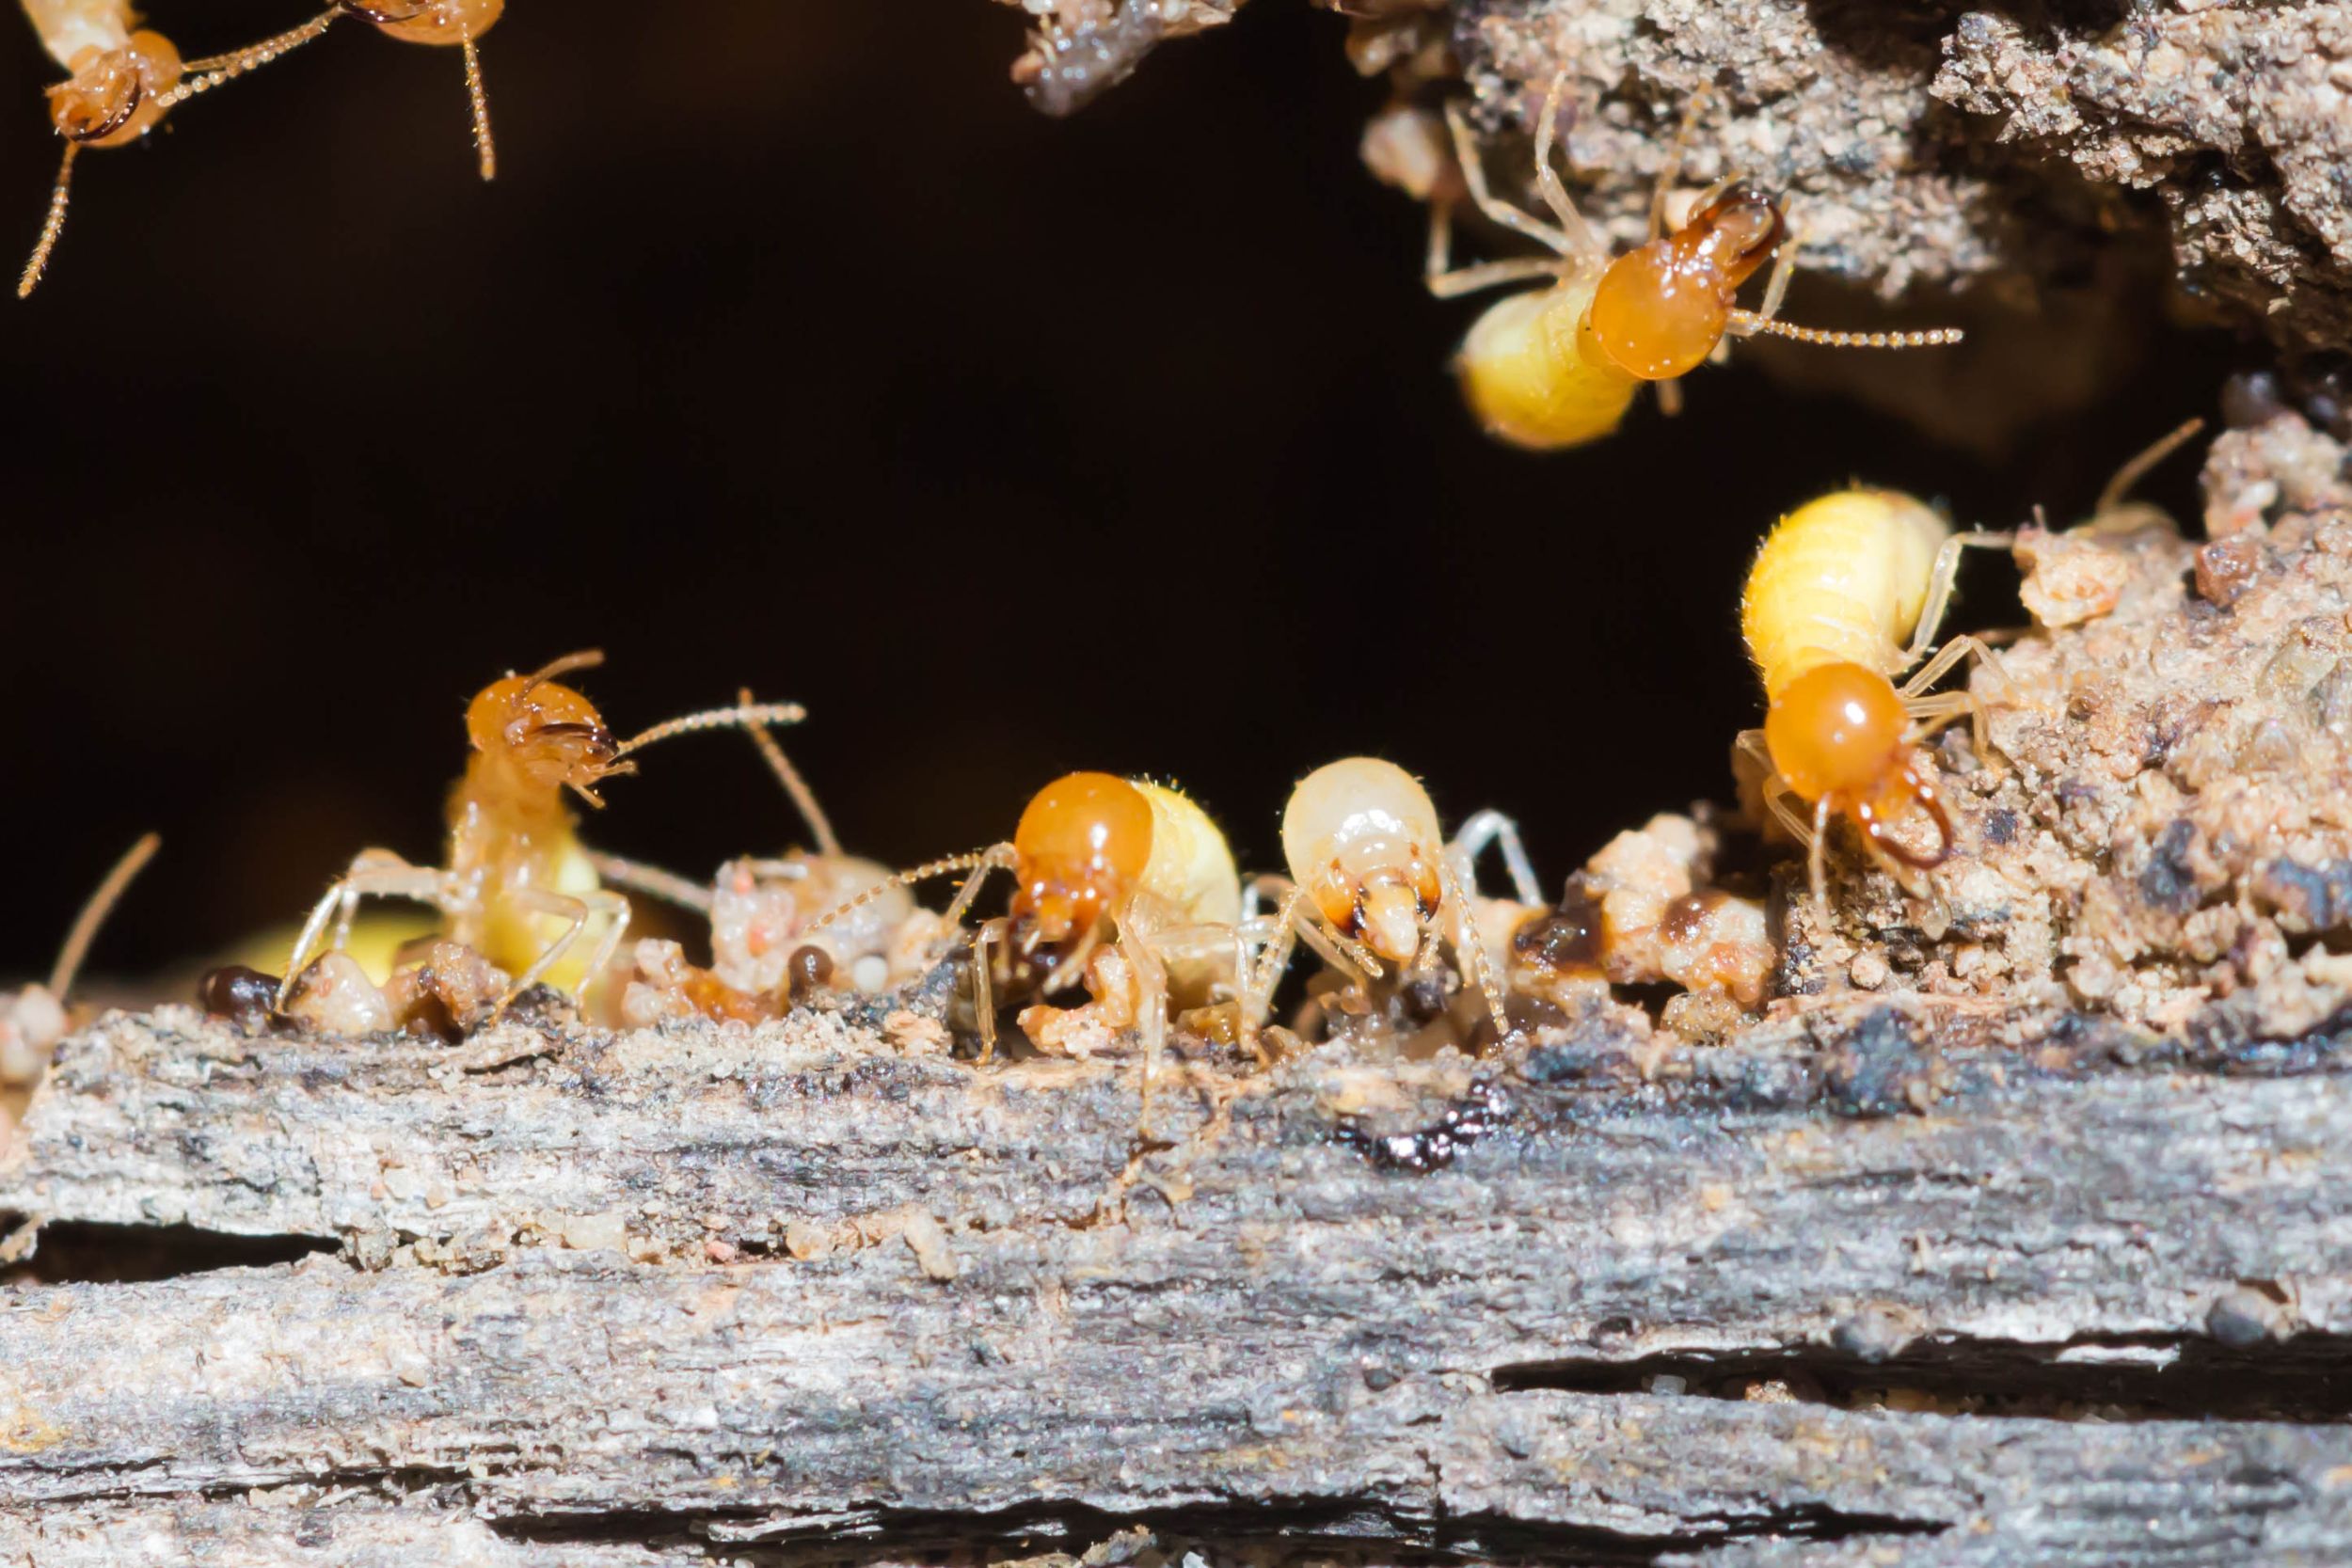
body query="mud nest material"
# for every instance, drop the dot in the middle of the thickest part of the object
(2039, 160)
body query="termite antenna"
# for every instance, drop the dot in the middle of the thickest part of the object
(211, 71)
(975, 860)
(803, 798)
(583, 658)
(2131, 473)
(52, 226)
(1751, 325)
(481, 99)
(746, 716)
(94, 913)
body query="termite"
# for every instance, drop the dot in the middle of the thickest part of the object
(1848, 592)
(1096, 859)
(518, 887)
(123, 82)
(35, 1019)
(1373, 881)
(1558, 367)
(761, 908)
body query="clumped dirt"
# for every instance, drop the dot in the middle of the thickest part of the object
(2042, 175)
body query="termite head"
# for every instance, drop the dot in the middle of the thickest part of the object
(1838, 735)
(1084, 840)
(548, 733)
(1661, 308)
(428, 21)
(1361, 838)
(116, 96)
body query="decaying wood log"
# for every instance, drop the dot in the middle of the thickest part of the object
(1844, 1294)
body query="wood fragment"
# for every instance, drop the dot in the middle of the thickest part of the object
(1330, 1343)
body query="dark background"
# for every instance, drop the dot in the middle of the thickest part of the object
(792, 348)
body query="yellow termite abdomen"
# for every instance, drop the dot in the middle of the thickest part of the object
(1532, 375)
(1841, 581)
(1191, 865)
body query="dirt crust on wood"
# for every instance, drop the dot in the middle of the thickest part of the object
(2042, 161)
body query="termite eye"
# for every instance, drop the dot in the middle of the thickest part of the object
(1837, 729)
(1084, 826)
(1654, 316)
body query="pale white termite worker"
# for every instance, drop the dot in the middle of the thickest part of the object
(1375, 882)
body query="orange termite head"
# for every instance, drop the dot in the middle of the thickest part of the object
(1838, 735)
(1083, 841)
(1659, 309)
(548, 733)
(428, 21)
(116, 96)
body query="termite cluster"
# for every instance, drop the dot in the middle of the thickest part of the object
(1125, 888)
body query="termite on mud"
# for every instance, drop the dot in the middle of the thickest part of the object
(1558, 366)
(1375, 882)
(761, 911)
(1099, 862)
(124, 80)
(518, 887)
(1848, 592)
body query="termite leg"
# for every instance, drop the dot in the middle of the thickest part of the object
(995, 857)
(1480, 972)
(1750, 747)
(1489, 275)
(1670, 172)
(1213, 942)
(2113, 515)
(373, 873)
(1942, 579)
(1497, 209)
(1483, 827)
(651, 881)
(1582, 244)
(1150, 973)
(1816, 857)
(578, 908)
(1438, 259)
(983, 987)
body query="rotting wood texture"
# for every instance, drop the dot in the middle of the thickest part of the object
(788, 1293)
